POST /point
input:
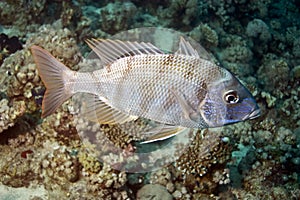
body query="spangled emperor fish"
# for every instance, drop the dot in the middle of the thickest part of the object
(181, 90)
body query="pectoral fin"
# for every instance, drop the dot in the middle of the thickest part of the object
(188, 112)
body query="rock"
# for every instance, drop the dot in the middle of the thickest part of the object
(23, 193)
(153, 192)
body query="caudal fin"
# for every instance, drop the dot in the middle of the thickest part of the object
(55, 77)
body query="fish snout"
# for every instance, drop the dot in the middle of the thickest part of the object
(253, 114)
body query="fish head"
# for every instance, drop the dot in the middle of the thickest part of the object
(227, 101)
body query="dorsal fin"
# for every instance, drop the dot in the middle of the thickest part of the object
(185, 48)
(111, 50)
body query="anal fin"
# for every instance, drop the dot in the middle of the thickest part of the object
(163, 132)
(98, 110)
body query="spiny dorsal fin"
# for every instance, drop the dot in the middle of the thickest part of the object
(185, 48)
(111, 50)
(98, 110)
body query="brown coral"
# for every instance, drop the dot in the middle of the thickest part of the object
(206, 156)
(21, 77)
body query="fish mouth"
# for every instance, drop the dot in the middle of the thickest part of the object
(254, 114)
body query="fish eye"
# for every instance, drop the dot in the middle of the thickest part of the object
(231, 97)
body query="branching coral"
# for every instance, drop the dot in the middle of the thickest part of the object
(185, 10)
(236, 55)
(20, 78)
(106, 181)
(258, 29)
(59, 166)
(261, 184)
(116, 16)
(20, 13)
(10, 113)
(274, 74)
(206, 155)
(205, 35)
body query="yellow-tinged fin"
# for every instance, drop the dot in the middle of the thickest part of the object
(98, 110)
(54, 75)
(163, 132)
(111, 50)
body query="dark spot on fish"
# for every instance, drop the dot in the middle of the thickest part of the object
(202, 91)
(108, 68)
(129, 65)
(189, 70)
(168, 60)
(188, 74)
(171, 100)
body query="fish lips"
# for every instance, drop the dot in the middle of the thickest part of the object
(245, 110)
(253, 114)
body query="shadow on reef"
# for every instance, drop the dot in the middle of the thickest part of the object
(8, 45)
(23, 125)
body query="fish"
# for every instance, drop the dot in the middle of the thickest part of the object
(179, 90)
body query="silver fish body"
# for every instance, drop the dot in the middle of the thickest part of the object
(139, 80)
(144, 86)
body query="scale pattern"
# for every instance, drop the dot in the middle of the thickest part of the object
(142, 85)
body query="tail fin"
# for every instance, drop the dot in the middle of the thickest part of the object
(55, 76)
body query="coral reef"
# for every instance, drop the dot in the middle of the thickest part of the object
(205, 35)
(11, 193)
(274, 73)
(258, 29)
(236, 55)
(153, 191)
(112, 24)
(20, 13)
(199, 161)
(8, 45)
(21, 80)
(183, 11)
(259, 41)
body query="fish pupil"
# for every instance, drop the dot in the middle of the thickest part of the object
(231, 97)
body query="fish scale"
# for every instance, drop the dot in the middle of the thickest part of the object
(139, 80)
(147, 97)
